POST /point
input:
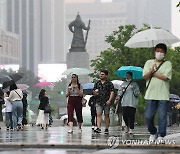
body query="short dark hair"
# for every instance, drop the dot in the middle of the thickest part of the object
(130, 73)
(104, 71)
(161, 46)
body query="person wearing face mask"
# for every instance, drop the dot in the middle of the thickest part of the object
(157, 73)
(129, 101)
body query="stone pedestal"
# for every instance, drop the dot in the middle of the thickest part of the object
(78, 59)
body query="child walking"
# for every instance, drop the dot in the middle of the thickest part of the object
(8, 110)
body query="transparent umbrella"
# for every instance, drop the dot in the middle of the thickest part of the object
(76, 70)
(149, 38)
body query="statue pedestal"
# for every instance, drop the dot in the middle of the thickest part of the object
(78, 59)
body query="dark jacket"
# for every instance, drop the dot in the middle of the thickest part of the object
(43, 102)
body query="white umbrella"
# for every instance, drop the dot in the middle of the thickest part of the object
(22, 86)
(117, 83)
(76, 70)
(151, 37)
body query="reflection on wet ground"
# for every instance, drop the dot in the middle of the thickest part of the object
(57, 140)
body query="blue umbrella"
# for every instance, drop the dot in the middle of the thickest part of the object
(88, 86)
(136, 71)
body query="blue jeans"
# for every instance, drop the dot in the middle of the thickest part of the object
(152, 106)
(17, 113)
(9, 122)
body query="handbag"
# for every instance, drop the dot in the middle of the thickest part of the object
(47, 109)
(84, 101)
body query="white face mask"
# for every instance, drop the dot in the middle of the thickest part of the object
(159, 55)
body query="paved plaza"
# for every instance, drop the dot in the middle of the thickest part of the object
(57, 140)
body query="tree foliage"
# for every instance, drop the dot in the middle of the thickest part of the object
(118, 55)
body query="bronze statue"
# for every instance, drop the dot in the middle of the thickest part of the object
(76, 27)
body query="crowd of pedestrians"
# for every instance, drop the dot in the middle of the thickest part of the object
(157, 72)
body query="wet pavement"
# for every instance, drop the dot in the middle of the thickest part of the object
(57, 140)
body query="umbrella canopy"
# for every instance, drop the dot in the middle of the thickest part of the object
(76, 70)
(23, 86)
(16, 76)
(174, 98)
(4, 79)
(117, 83)
(151, 37)
(136, 71)
(88, 86)
(7, 84)
(13, 78)
(43, 84)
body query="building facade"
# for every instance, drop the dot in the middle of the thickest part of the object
(40, 28)
(9, 50)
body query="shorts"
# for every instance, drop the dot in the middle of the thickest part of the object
(100, 109)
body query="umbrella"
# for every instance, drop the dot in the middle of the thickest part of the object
(117, 83)
(174, 98)
(88, 88)
(23, 86)
(76, 70)
(16, 76)
(5, 78)
(151, 37)
(136, 71)
(7, 84)
(13, 78)
(43, 84)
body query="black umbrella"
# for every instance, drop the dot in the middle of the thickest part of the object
(16, 76)
(13, 79)
(4, 79)
(7, 84)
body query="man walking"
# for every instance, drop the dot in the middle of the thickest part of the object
(104, 90)
(157, 74)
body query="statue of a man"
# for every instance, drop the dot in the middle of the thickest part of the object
(77, 27)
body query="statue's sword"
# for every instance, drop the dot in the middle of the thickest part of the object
(87, 33)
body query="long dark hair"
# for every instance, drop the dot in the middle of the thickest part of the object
(42, 94)
(13, 87)
(77, 81)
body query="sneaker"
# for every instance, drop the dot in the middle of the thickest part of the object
(79, 130)
(93, 127)
(126, 130)
(70, 131)
(152, 138)
(97, 130)
(106, 131)
(130, 131)
(160, 140)
(7, 128)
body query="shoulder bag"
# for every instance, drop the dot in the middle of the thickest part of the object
(120, 99)
(153, 73)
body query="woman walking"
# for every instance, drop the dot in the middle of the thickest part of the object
(15, 97)
(74, 94)
(130, 91)
(43, 118)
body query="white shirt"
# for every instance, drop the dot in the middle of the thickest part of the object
(13, 96)
(8, 105)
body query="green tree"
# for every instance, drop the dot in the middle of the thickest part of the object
(118, 55)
